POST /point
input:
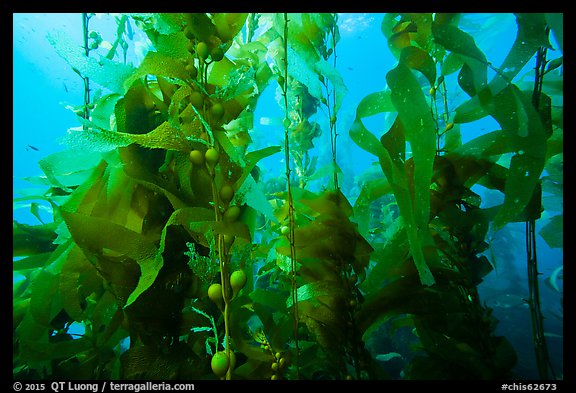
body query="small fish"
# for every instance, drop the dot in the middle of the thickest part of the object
(32, 147)
(552, 281)
(65, 87)
(506, 301)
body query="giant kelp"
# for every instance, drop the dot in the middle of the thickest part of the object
(168, 237)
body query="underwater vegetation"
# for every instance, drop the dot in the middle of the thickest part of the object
(172, 255)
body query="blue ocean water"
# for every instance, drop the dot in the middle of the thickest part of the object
(44, 84)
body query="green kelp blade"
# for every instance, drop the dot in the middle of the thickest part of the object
(252, 158)
(531, 35)
(303, 72)
(162, 23)
(45, 298)
(69, 168)
(103, 110)
(324, 68)
(397, 176)
(375, 103)
(252, 194)
(452, 63)
(315, 290)
(526, 128)
(165, 136)
(38, 351)
(389, 258)
(78, 279)
(35, 261)
(98, 234)
(460, 42)
(103, 71)
(420, 131)
(419, 60)
(556, 23)
(371, 190)
(159, 64)
(228, 25)
(32, 239)
(95, 140)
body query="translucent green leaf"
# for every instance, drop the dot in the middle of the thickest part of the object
(105, 72)
(419, 128)
(490, 144)
(272, 299)
(555, 63)
(163, 23)
(366, 140)
(521, 180)
(172, 44)
(389, 259)
(457, 41)
(531, 36)
(78, 279)
(37, 351)
(95, 140)
(525, 128)
(201, 25)
(317, 289)
(159, 64)
(469, 111)
(375, 103)
(35, 261)
(418, 59)
(103, 112)
(61, 167)
(326, 170)
(32, 239)
(240, 80)
(553, 231)
(45, 300)
(97, 234)
(228, 25)
(396, 174)
(165, 136)
(220, 72)
(251, 160)
(556, 23)
(324, 68)
(252, 194)
(195, 219)
(452, 63)
(300, 70)
(371, 190)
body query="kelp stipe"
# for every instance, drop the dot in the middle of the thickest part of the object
(180, 258)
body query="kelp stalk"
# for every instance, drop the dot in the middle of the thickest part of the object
(85, 21)
(540, 346)
(332, 113)
(291, 224)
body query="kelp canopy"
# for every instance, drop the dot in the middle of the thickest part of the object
(172, 254)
